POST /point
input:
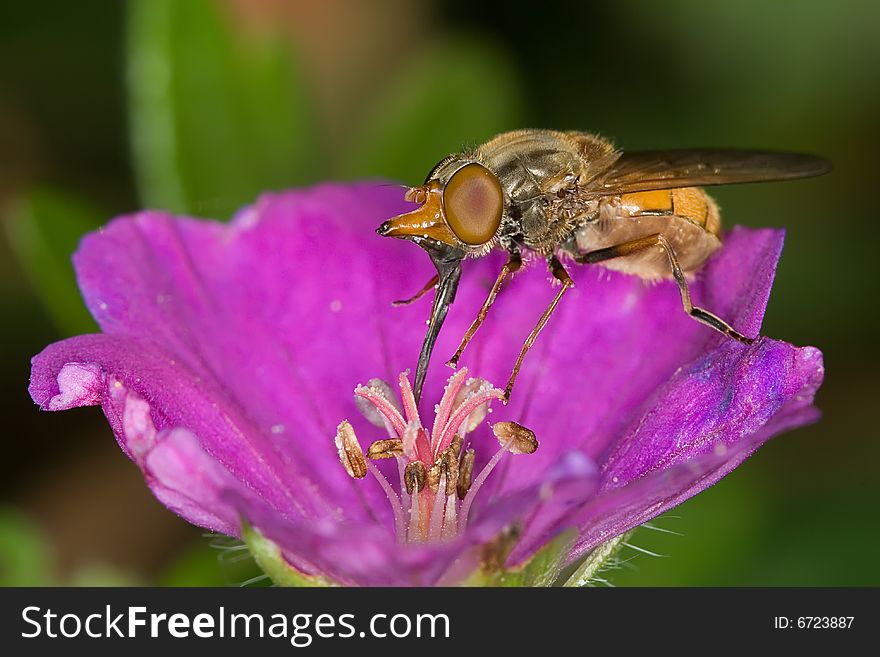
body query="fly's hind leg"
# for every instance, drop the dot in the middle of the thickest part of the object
(637, 245)
(562, 276)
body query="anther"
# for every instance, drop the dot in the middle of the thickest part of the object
(414, 476)
(449, 459)
(350, 453)
(521, 439)
(385, 449)
(446, 464)
(465, 473)
(455, 445)
(434, 477)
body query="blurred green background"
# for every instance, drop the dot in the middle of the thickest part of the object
(196, 106)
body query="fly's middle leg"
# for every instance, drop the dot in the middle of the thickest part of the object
(635, 246)
(562, 276)
(513, 263)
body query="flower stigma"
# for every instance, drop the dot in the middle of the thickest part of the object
(436, 468)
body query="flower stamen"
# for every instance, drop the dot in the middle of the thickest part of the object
(465, 473)
(434, 501)
(522, 440)
(385, 449)
(514, 438)
(415, 477)
(437, 511)
(478, 482)
(393, 499)
(350, 452)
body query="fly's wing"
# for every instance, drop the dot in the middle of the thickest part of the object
(643, 171)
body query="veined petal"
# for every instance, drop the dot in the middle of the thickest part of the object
(663, 462)
(144, 390)
(191, 483)
(713, 403)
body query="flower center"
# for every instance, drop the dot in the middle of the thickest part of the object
(436, 469)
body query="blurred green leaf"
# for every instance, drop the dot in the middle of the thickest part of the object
(103, 575)
(216, 116)
(455, 93)
(44, 228)
(25, 556)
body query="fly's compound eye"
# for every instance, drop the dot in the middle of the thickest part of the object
(473, 202)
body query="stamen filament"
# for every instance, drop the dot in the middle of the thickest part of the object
(414, 521)
(404, 496)
(399, 526)
(437, 512)
(450, 526)
(481, 478)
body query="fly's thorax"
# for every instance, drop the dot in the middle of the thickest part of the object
(541, 172)
(544, 224)
(533, 163)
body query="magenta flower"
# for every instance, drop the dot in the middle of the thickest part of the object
(230, 354)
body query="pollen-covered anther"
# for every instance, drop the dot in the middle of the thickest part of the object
(385, 449)
(521, 440)
(449, 466)
(456, 444)
(350, 453)
(415, 476)
(446, 466)
(433, 477)
(465, 473)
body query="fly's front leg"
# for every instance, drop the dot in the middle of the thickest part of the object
(562, 276)
(643, 243)
(512, 265)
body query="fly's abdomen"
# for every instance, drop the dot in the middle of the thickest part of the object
(688, 218)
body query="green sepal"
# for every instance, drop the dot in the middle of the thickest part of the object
(541, 570)
(585, 574)
(268, 557)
